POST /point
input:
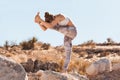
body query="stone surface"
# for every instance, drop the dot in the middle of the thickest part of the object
(51, 75)
(10, 70)
(116, 66)
(99, 66)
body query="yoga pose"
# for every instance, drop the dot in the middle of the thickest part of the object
(61, 24)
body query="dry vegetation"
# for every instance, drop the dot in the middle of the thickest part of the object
(35, 55)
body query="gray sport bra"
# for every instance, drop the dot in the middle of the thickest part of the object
(64, 22)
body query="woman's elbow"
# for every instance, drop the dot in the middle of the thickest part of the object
(44, 29)
(49, 26)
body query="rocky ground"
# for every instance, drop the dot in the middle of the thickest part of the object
(45, 57)
(113, 75)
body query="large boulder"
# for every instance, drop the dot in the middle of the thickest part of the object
(10, 70)
(51, 75)
(99, 66)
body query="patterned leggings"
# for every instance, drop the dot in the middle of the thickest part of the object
(70, 33)
(68, 50)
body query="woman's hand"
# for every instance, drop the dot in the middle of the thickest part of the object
(37, 18)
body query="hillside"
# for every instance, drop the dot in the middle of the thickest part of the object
(35, 56)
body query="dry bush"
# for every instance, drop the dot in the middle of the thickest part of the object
(90, 56)
(8, 54)
(61, 63)
(34, 66)
(26, 45)
(37, 45)
(110, 41)
(20, 58)
(83, 54)
(6, 45)
(60, 49)
(89, 43)
(76, 50)
(45, 46)
(103, 54)
(114, 59)
(79, 65)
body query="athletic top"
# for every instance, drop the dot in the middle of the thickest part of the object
(64, 22)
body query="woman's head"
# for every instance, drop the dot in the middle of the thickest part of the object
(48, 17)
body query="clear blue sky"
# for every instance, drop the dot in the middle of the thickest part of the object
(95, 20)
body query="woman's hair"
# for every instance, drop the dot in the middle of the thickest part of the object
(48, 17)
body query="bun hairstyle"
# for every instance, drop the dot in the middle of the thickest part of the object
(48, 17)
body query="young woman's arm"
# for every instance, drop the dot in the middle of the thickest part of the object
(46, 24)
(43, 27)
(37, 20)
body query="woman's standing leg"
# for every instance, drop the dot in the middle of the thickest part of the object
(68, 50)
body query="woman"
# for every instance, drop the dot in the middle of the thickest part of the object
(61, 24)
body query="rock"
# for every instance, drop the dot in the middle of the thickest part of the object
(99, 66)
(116, 66)
(113, 75)
(51, 75)
(10, 70)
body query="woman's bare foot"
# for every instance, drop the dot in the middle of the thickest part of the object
(37, 18)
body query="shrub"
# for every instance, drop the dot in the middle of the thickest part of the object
(76, 50)
(26, 45)
(89, 43)
(45, 46)
(6, 45)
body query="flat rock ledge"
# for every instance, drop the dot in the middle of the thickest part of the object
(51, 75)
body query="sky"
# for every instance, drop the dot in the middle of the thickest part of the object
(95, 20)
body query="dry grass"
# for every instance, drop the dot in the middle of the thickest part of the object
(46, 53)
